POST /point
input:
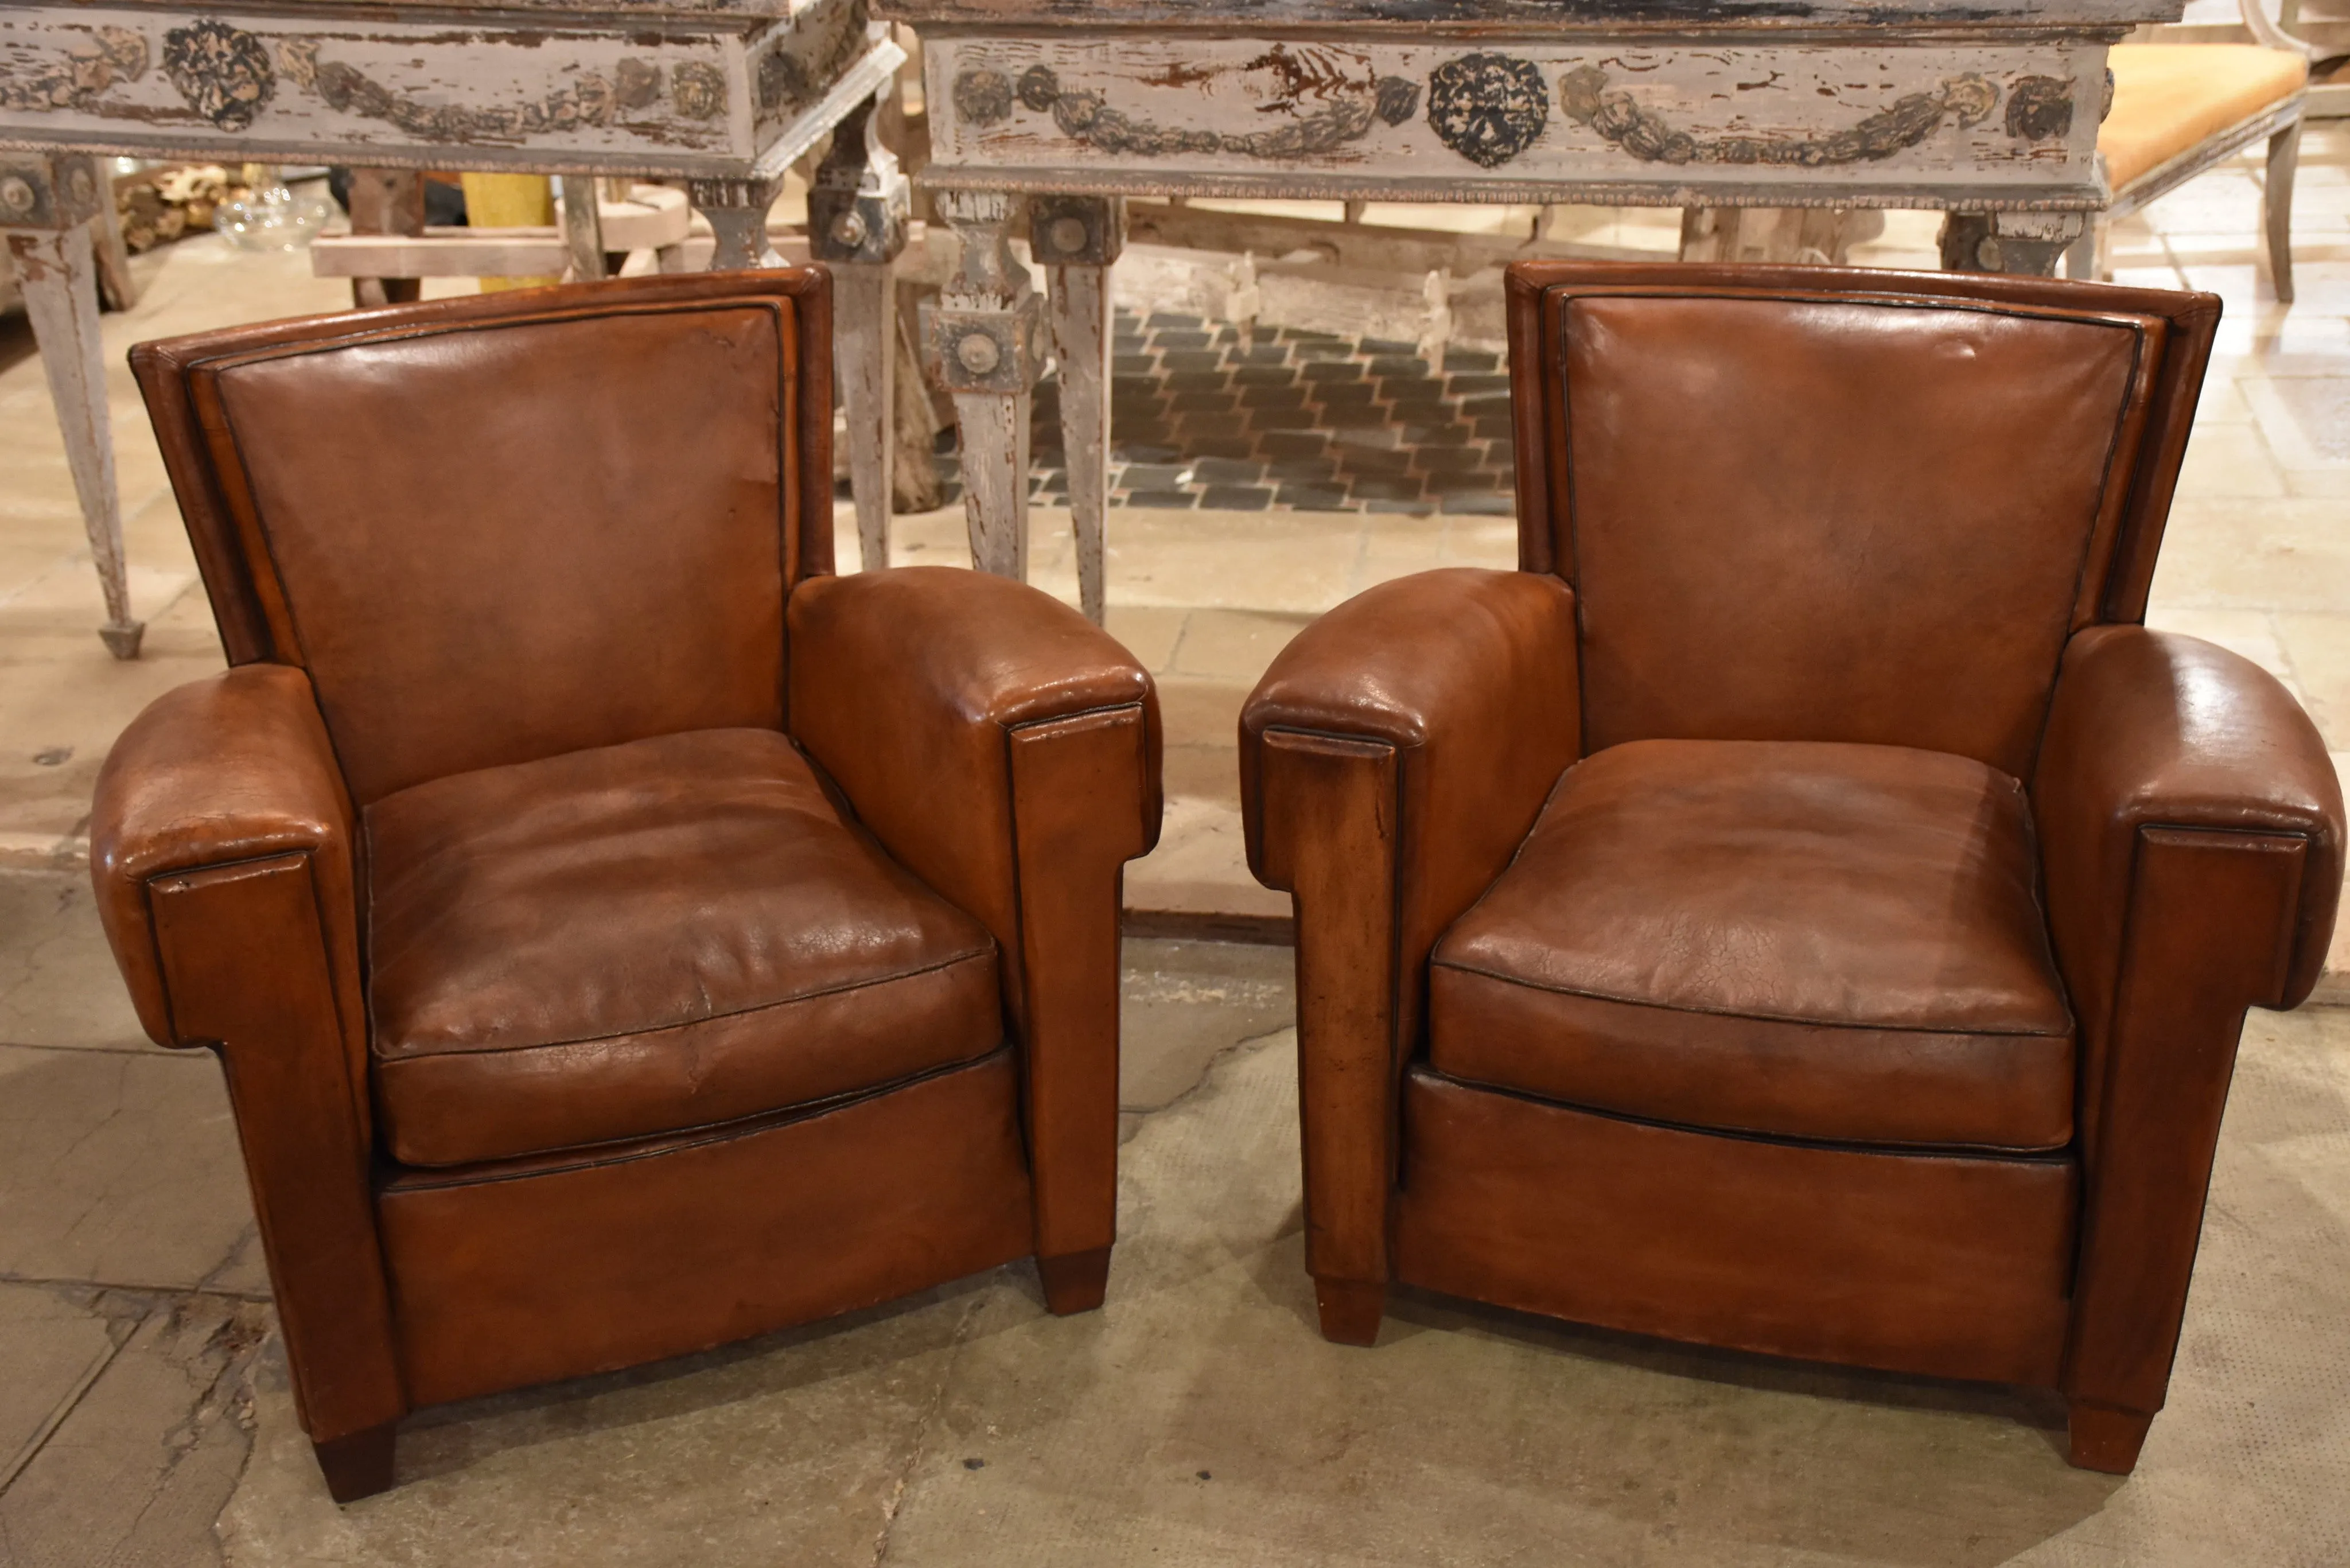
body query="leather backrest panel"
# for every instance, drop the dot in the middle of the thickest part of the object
(496, 544)
(1839, 519)
(499, 527)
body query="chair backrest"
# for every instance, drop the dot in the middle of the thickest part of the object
(1820, 503)
(498, 528)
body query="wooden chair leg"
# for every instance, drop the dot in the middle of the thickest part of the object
(2276, 204)
(1351, 1309)
(1076, 1283)
(2102, 1438)
(359, 1465)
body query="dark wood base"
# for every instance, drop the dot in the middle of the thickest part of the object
(2105, 1438)
(1351, 1309)
(1075, 1283)
(359, 1465)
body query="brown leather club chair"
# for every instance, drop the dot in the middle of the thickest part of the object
(1801, 909)
(621, 935)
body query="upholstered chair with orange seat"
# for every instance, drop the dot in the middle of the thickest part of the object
(1801, 909)
(2179, 111)
(621, 935)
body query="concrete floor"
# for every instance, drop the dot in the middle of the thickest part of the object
(1197, 1419)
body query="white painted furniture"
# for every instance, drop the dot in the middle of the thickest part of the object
(1048, 117)
(723, 94)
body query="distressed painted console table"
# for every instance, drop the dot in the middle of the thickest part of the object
(1049, 115)
(723, 94)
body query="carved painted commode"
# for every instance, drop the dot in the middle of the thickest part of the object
(723, 94)
(1047, 117)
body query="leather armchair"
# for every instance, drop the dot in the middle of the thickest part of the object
(621, 936)
(1800, 910)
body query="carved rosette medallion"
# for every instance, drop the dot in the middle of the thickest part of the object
(984, 97)
(1487, 108)
(2039, 108)
(699, 90)
(223, 72)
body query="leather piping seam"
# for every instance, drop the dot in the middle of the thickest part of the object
(2070, 1028)
(2063, 1155)
(384, 1061)
(471, 1173)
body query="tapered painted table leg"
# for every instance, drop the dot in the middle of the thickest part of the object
(981, 341)
(857, 212)
(46, 208)
(1078, 238)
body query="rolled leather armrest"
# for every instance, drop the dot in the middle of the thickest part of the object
(1470, 676)
(2190, 830)
(906, 685)
(1007, 751)
(1392, 759)
(235, 767)
(2152, 730)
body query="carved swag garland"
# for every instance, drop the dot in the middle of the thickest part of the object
(228, 76)
(1490, 108)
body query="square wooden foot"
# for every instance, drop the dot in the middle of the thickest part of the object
(1075, 1283)
(1351, 1309)
(2106, 1438)
(359, 1465)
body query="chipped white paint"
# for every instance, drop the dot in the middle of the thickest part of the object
(1495, 118)
(59, 274)
(562, 92)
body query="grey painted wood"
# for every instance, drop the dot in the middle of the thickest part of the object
(1080, 316)
(981, 339)
(58, 274)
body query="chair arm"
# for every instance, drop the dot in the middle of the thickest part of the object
(222, 846)
(2152, 729)
(232, 768)
(1006, 750)
(2191, 829)
(1469, 677)
(1392, 759)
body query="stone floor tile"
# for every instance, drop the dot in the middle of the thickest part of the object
(1150, 632)
(61, 691)
(1201, 866)
(2229, 461)
(2288, 553)
(54, 1342)
(2305, 419)
(2318, 648)
(59, 983)
(1184, 1003)
(1233, 645)
(118, 1168)
(137, 1473)
(1197, 712)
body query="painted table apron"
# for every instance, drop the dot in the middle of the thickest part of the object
(1050, 115)
(723, 94)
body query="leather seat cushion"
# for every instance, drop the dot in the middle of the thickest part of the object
(1830, 941)
(2168, 98)
(644, 939)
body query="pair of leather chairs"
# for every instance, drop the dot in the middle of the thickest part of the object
(623, 936)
